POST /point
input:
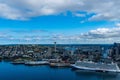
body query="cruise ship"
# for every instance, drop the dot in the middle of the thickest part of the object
(96, 67)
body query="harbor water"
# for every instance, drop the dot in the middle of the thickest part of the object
(44, 72)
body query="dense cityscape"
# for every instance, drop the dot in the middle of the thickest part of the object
(58, 53)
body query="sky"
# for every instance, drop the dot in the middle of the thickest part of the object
(63, 21)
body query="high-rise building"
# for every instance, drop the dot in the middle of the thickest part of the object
(116, 51)
(55, 46)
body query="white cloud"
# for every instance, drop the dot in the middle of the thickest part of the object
(100, 35)
(79, 15)
(8, 12)
(5, 36)
(103, 33)
(118, 24)
(25, 9)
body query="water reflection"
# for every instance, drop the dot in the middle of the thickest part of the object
(22, 72)
(96, 75)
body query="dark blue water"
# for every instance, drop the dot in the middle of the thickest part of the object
(22, 72)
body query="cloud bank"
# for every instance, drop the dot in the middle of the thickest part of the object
(99, 35)
(26, 9)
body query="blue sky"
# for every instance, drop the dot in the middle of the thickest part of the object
(63, 21)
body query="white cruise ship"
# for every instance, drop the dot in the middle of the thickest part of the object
(97, 67)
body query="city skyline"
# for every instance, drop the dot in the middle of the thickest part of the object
(63, 21)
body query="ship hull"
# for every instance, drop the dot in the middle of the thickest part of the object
(81, 69)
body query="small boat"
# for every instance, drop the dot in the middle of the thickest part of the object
(96, 67)
(36, 62)
(17, 62)
(59, 64)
